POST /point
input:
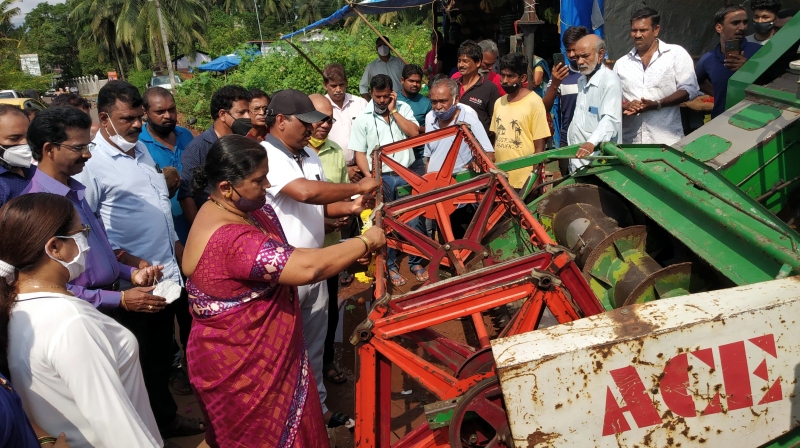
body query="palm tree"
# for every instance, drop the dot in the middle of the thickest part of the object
(309, 12)
(138, 27)
(6, 14)
(98, 19)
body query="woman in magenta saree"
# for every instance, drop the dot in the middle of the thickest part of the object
(246, 355)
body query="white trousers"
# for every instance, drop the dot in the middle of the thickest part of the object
(314, 307)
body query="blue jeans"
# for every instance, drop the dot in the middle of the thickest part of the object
(391, 182)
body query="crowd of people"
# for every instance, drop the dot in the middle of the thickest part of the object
(116, 230)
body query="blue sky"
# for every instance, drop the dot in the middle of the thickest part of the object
(27, 5)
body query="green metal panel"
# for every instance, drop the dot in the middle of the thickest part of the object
(762, 171)
(755, 116)
(716, 220)
(707, 147)
(789, 440)
(768, 55)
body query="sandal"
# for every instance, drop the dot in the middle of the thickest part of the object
(333, 374)
(345, 278)
(339, 419)
(179, 383)
(183, 426)
(396, 278)
(420, 273)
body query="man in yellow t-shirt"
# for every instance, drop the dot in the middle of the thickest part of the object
(519, 120)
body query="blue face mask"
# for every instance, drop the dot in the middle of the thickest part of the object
(446, 115)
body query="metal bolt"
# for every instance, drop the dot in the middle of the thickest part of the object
(624, 311)
(485, 254)
(446, 247)
(473, 438)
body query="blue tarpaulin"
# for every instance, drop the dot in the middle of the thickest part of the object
(221, 64)
(365, 7)
(588, 13)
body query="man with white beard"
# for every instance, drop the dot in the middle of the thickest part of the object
(598, 108)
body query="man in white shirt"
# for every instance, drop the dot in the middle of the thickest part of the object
(346, 108)
(656, 78)
(386, 64)
(598, 108)
(302, 199)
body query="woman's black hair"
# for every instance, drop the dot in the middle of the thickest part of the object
(232, 158)
(33, 219)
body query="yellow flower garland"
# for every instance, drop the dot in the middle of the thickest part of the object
(369, 276)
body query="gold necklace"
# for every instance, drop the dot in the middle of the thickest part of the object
(254, 224)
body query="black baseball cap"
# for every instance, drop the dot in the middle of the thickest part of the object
(297, 103)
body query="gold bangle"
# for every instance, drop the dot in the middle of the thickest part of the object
(366, 244)
(122, 301)
(46, 439)
(133, 277)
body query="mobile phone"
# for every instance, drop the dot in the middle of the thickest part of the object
(732, 47)
(558, 58)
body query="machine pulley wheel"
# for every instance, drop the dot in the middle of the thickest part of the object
(480, 419)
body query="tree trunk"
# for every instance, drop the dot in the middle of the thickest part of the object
(119, 63)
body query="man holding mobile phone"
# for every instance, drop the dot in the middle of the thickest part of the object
(718, 65)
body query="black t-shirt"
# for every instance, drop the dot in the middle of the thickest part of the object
(481, 97)
(447, 56)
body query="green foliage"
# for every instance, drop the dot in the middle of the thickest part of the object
(12, 77)
(139, 78)
(93, 62)
(284, 68)
(227, 31)
(46, 35)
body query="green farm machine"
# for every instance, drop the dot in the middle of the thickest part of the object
(649, 299)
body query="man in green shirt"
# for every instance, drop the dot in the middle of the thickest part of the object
(335, 169)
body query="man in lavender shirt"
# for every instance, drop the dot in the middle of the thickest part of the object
(59, 140)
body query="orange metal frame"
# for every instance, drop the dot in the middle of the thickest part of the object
(548, 278)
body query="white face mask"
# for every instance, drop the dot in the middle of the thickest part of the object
(383, 50)
(118, 140)
(78, 264)
(17, 155)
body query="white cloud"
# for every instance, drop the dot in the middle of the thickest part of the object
(25, 6)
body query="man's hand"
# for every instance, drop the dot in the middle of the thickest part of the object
(648, 105)
(632, 107)
(368, 185)
(140, 301)
(354, 173)
(393, 103)
(560, 73)
(734, 61)
(147, 276)
(362, 203)
(585, 149)
(130, 260)
(173, 178)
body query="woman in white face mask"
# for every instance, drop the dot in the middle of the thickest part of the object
(80, 369)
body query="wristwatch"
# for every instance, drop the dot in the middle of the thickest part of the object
(393, 112)
(659, 105)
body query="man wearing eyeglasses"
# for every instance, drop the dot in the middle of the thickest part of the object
(258, 114)
(59, 140)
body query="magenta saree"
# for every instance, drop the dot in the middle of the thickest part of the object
(246, 355)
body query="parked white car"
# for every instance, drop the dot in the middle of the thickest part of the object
(163, 81)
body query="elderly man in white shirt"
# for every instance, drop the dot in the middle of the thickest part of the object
(598, 108)
(656, 78)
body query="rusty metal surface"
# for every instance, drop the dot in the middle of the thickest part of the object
(711, 369)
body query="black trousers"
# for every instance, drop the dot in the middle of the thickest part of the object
(155, 333)
(333, 319)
